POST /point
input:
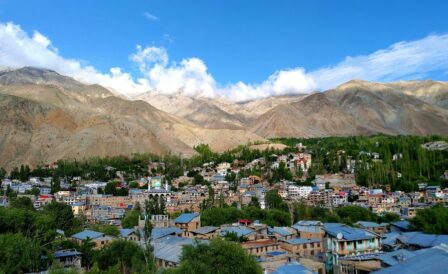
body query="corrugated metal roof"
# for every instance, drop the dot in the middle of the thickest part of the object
(160, 232)
(125, 232)
(421, 239)
(205, 229)
(186, 218)
(404, 225)
(395, 257)
(66, 253)
(83, 235)
(370, 224)
(279, 230)
(348, 233)
(297, 241)
(240, 231)
(292, 268)
(432, 260)
(170, 248)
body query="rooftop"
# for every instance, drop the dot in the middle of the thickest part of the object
(186, 218)
(88, 234)
(348, 233)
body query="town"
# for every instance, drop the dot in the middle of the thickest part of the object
(326, 205)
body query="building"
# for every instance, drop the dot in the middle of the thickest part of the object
(188, 222)
(168, 250)
(374, 227)
(68, 258)
(205, 232)
(262, 246)
(129, 234)
(342, 240)
(303, 247)
(99, 239)
(432, 260)
(309, 229)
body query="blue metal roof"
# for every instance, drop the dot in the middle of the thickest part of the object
(186, 218)
(292, 268)
(240, 231)
(421, 239)
(160, 232)
(298, 241)
(83, 235)
(370, 224)
(395, 257)
(279, 230)
(125, 232)
(205, 229)
(403, 225)
(66, 253)
(348, 233)
(432, 260)
(170, 248)
(390, 238)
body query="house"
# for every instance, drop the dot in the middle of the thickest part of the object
(262, 246)
(240, 231)
(98, 238)
(161, 232)
(430, 260)
(188, 222)
(309, 229)
(168, 250)
(293, 267)
(280, 233)
(205, 232)
(68, 258)
(129, 234)
(342, 240)
(418, 240)
(374, 227)
(303, 247)
(400, 226)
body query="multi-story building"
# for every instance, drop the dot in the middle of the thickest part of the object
(341, 240)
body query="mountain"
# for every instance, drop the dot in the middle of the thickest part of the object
(51, 117)
(214, 113)
(359, 108)
(45, 116)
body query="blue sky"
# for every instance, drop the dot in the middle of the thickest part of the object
(247, 41)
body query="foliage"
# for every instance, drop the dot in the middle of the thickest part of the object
(216, 257)
(127, 255)
(432, 220)
(274, 201)
(106, 229)
(131, 218)
(22, 203)
(61, 215)
(19, 254)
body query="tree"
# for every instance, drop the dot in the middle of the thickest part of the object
(127, 255)
(254, 202)
(61, 215)
(198, 179)
(23, 203)
(19, 254)
(274, 201)
(131, 218)
(431, 220)
(217, 256)
(106, 229)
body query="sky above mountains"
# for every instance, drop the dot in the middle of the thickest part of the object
(240, 50)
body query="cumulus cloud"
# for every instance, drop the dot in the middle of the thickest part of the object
(190, 76)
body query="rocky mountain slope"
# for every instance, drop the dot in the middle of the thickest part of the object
(360, 107)
(45, 116)
(45, 120)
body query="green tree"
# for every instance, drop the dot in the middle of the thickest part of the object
(274, 201)
(218, 256)
(19, 254)
(131, 218)
(431, 220)
(61, 215)
(22, 203)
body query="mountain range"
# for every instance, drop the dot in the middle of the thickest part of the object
(45, 116)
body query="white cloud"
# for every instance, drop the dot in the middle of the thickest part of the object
(150, 16)
(190, 76)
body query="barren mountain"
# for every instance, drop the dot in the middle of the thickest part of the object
(358, 108)
(45, 116)
(43, 121)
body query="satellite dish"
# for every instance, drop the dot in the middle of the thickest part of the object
(339, 236)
